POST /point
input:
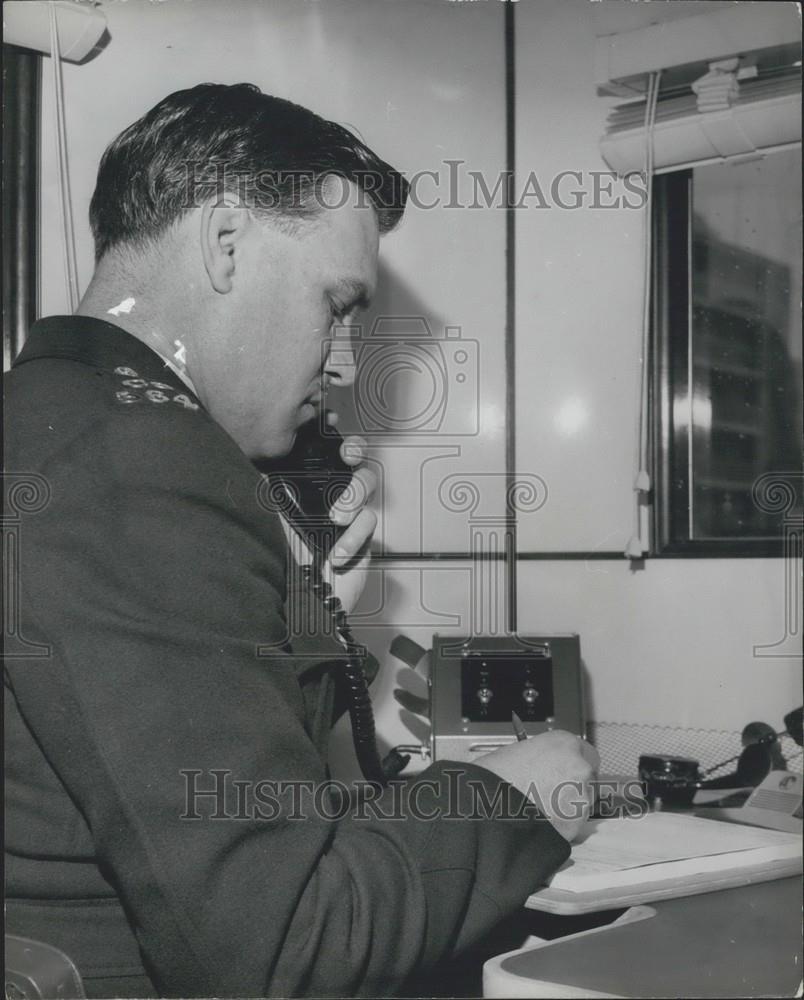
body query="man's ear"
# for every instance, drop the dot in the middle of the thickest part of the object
(223, 225)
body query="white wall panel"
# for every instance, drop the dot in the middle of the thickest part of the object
(673, 643)
(578, 280)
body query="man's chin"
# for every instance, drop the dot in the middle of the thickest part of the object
(282, 445)
(271, 451)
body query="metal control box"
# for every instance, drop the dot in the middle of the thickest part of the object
(476, 683)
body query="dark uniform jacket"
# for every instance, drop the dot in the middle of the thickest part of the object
(148, 658)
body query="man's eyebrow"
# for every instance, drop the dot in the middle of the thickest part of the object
(356, 292)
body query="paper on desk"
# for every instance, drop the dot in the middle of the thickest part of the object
(612, 849)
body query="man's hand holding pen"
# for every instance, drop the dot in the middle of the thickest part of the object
(555, 770)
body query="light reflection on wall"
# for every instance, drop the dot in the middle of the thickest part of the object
(571, 417)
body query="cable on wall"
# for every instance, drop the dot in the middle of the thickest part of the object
(637, 544)
(65, 202)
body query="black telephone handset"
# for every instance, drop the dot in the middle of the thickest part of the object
(310, 479)
(304, 486)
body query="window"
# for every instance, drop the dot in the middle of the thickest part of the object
(21, 79)
(727, 406)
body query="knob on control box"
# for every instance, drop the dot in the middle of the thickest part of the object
(496, 683)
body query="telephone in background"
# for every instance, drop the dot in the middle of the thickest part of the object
(760, 791)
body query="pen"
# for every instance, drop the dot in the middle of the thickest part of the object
(519, 729)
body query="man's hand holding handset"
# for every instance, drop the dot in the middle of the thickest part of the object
(347, 566)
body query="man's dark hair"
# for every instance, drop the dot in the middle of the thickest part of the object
(211, 139)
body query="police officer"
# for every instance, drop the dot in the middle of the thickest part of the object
(153, 654)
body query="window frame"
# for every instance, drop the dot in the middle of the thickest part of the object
(671, 313)
(22, 72)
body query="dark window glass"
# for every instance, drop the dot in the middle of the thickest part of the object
(728, 291)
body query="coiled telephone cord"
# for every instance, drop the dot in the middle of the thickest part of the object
(351, 678)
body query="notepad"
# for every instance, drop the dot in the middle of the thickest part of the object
(627, 860)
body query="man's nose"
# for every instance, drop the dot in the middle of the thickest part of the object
(339, 366)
